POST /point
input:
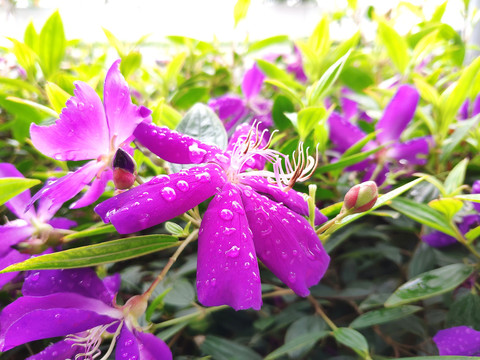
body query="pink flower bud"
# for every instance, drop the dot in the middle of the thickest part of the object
(361, 197)
(124, 170)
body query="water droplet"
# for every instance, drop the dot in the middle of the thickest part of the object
(203, 177)
(80, 106)
(129, 342)
(160, 179)
(125, 355)
(196, 154)
(226, 214)
(91, 107)
(168, 194)
(294, 252)
(285, 221)
(229, 231)
(183, 186)
(284, 254)
(57, 316)
(237, 207)
(292, 277)
(35, 276)
(222, 158)
(247, 193)
(233, 252)
(57, 156)
(246, 265)
(213, 281)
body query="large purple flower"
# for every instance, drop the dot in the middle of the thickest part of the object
(250, 216)
(33, 228)
(233, 109)
(396, 155)
(458, 341)
(77, 304)
(86, 130)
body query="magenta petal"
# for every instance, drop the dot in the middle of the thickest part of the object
(413, 152)
(122, 115)
(12, 233)
(285, 242)
(112, 284)
(398, 113)
(349, 107)
(65, 313)
(18, 204)
(252, 82)
(227, 268)
(69, 185)
(438, 239)
(343, 133)
(62, 223)
(174, 147)
(9, 258)
(81, 133)
(95, 190)
(240, 135)
(57, 351)
(162, 198)
(459, 341)
(476, 106)
(464, 110)
(379, 178)
(127, 345)
(80, 281)
(153, 347)
(230, 109)
(291, 199)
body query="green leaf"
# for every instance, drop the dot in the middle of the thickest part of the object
(395, 44)
(447, 206)
(429, 284)
(423, 259)
(173, 69)
(187, 97)
(453, 97)
(458, 135)
(26, 57)
(273, 72)
(320, 88)
(56, 96)
(30, 37)
(297, 343)
(308, 119)
(51, 45)
(223, 349)
(423, 214)
(91, 255)
(456, 177)
(465, 311)
(468, 197)
(428, 92)
(240, 10)
(261, 44)
(282, 105)
(349, 160)
(383, 316)
(107, 229)
(473, 234)
(12, 186)
(288, 91)
(439, 11)
(130, 63)
(319, 41)
(352, 339)
(441, 358)
(164, 114)
(42, 108)
(114, 42)
(303, 326)
(20, 84)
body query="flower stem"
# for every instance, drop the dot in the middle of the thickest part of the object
(193, 236)
(319, 311)
(332, 222)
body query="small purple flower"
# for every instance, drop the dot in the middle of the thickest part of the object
(77, 304)
(254, 213)
(458, 341)
(439, 239)
(32, 229)
(233, 109)
(295, 65)
(469, 109)
(398, 113)
(88, 129)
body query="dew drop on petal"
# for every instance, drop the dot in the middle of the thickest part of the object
(226, 214)
(196, 155)
(160, 179)
(203, 177)
(222, 158)
(168, 194)
(35, 276)
(237, 207)
(129, 342)
(183, 186)
(213, 281)
(233, 251)
(246, 265)
(292, 277)
(284, 254)
(229, 231)
(80, 106)
(294, 252)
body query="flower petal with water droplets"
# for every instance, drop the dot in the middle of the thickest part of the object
(227, 268)
(162, 198)
(60, 350)
(343, 133)
(127, 345)
(285, 242)
(458, 341)
(153, 347)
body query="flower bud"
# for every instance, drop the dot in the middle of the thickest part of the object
(124, 170)
(361, 197)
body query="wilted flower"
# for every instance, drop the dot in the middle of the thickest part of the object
(253, 213)
(233, 109)
(33, 228)
(88, 129)
(398, 113)
(77, 304)
(458, 341)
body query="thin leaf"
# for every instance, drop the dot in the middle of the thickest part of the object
(107, 229)
(352, 339)
(456, 177)
(12, 186)
(297, 343)
(382, 316)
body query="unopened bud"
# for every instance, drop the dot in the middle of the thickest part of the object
(361, 197)
(124, 170)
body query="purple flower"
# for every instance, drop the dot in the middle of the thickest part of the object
(86, 130)
(233, 109)
(295, 65)
(439, 239)
(254, 213)
(458, 341)
(32, 229)
(397, 115)
(469, 110)
(77, 304)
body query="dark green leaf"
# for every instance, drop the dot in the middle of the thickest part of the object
(465, 311)
(223, 349)
(347, 161)
(282, 105)
(423, 259)
(352, 339)
(91, 255)
(429, 284)
(302, 341)
(12, 186)
(303, 326)
(382, 316)
(107, 229)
